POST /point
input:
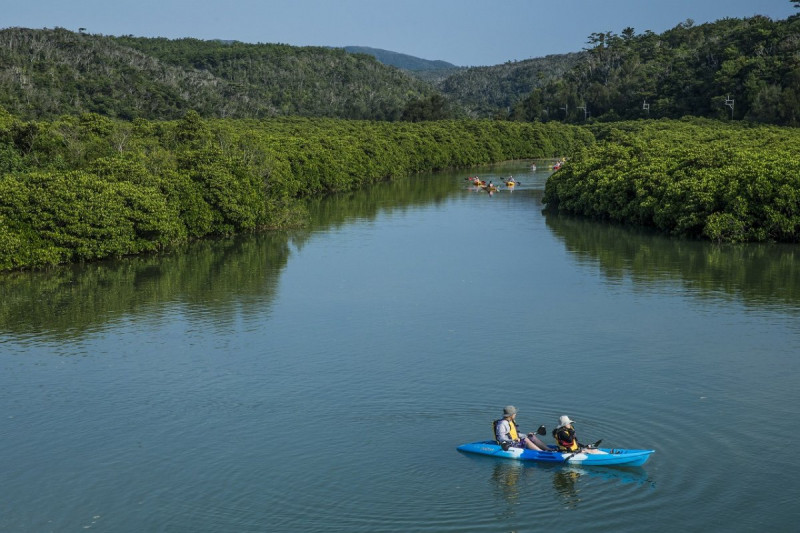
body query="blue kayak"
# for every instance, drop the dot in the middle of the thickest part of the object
(608, 457)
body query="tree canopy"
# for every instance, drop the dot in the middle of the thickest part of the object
(740, 69)
(730, 69)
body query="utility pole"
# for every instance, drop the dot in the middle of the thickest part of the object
(565, 110)
(729, 103)
(646, 107)
(584, 110)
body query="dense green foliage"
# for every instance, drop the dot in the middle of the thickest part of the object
(305, 81)
(87, 187)
(700, 179)
(48, 73)
(732, 68)
(200, 150)
(493, 90)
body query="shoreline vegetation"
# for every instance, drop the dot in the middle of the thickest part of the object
(115, 146)
(693, 178)
(85, 188)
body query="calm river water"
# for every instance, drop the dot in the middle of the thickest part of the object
(321, 380)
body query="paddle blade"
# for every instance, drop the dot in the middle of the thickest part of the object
(542, 430)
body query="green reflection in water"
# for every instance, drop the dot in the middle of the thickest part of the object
(226, 277)
(237, 276)
(758, 274)
(68, 301)
(400, 194)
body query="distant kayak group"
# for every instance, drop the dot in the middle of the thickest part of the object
(550, 164)
(489, 186)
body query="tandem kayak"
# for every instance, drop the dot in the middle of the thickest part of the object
(610, 457)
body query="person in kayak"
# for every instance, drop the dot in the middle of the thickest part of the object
(566, 439)
(506, 432)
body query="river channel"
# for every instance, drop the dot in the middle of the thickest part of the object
(321, 379)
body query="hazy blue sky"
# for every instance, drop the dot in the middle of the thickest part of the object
(463, 32)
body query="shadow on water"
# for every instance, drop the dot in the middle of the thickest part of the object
(756, 274)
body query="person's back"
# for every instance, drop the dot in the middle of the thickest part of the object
(505, 432)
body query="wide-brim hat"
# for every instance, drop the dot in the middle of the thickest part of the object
(509, 410)
(564, 420)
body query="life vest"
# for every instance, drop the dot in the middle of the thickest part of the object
(512, 431)
(565, 439)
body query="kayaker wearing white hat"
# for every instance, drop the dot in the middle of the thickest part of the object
(566, 439)
(506, 432)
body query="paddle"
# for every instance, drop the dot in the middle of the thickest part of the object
(541, 431)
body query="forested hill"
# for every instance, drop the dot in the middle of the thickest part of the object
(46, 73)
(481, 91)
(733, 68)
(485, 91)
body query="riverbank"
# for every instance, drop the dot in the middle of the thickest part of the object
(695, 178)
(87, 188)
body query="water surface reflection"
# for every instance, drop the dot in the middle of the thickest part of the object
(757, 274)
(226, 276)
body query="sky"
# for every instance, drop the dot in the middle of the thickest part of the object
(462, 32)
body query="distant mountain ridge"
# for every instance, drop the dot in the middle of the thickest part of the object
(403, 61)
(481, 91)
